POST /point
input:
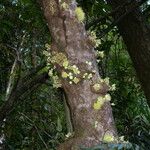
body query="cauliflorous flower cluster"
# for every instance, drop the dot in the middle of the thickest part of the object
(108, 138)
(97, 87)
(100, 101)
(94, 39)
(65, 6)
(80, 14)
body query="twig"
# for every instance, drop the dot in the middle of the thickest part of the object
(36, 129)
(15, 96)
(14, 78)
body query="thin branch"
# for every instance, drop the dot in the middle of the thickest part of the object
(22, 88)
(36, 129)
(11, 79)
(15, 51)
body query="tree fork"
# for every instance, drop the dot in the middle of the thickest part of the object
(70, 41)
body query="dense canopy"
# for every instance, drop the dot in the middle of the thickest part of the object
(36, 78)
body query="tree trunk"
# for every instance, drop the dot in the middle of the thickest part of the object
(71, 43)
(136, 36)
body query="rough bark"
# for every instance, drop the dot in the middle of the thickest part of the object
(136, 35)
(70, 38)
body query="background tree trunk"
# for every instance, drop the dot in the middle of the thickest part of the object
(136, 35)
(70, 39)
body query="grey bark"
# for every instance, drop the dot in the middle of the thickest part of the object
(70, 38)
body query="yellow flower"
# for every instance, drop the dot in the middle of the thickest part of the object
(100, 54)
(112, 104)
(75, 69)
(65, 64)
(56, 82)
(80, 14)
(97, 87)
(93, 37)
(90, 76)
(50, 73)
(108, 138)
(70, 75)
(64, 74)
(46, 53)
(106, 80)
(65, 6)
(59, 58)
(98, 104)
(113, 87)
(70, 82)
(107, 97)
(101, 80)
(94, 71)
(76, 80)
(100, 98)
(96, 124)
(84, 75)
(89, 63)
(47, 46)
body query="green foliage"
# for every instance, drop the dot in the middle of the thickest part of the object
(38, 119)
(131, 111)
(38, 122)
